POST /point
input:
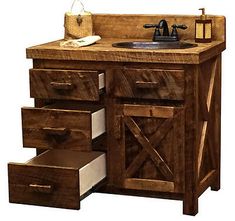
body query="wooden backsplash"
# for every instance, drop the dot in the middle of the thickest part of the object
(131, 26)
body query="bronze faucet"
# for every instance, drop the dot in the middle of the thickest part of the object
(165, 36)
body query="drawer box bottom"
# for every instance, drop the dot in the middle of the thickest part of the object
(56, 178)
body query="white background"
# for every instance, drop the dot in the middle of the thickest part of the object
(25, 23)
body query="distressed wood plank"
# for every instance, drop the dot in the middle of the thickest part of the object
(154, 185)
(149, 83)
(206, 182)
(202, 145)
(204, 111)
(131, 25)
(148, 111)
(65, 184)
(136, 163)
(190, 202)
(155, 139)
(179, 151)
(157, 159)
(211, 85)
(207, 100)
(77, 122)
(64, 84)
(103, 51)
(216, 130)
(115, 134)
(99, 65)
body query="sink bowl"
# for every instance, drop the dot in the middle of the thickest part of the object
(154, 45)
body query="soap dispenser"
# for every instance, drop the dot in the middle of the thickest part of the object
(203, 28)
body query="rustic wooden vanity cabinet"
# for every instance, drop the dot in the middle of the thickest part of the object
(126, 121)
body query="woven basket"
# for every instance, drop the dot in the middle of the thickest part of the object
(78, 26)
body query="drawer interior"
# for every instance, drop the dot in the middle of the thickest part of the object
(97, 115)
(66, 84)
(56, 178)
(101, 79)
(64, 125)
(91, 165)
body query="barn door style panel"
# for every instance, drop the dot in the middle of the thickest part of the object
(152, 147)
(209, 125)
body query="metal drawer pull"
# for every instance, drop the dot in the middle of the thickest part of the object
(56, 131)
(40, 188)
(146, 84)
(61, 86)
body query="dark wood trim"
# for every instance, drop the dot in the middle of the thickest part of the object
(190, 202)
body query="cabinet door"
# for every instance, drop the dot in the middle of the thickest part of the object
(151, 142)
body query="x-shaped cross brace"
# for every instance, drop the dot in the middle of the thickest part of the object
(148, 148)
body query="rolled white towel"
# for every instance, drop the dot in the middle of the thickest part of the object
(81, 41)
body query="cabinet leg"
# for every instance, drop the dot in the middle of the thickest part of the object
(190, 204)
(216, 184)
(217, 126)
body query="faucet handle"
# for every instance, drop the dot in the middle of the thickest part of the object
(174, 32)
(181, 26)
(151, 26)
(156, 32)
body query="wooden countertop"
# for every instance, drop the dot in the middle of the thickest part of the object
(103, 51)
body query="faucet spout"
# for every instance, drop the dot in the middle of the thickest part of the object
(163, 25)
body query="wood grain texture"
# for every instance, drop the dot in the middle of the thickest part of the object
(115, 150)
(154, 155)
(179, 93)
(185, 128)
(140, 193)
(190, 202)
(138, 83)
(103, 51)
(209, 150)
(148, 110)
(206, 181)
(155, 140)
(64, 186)
(154, 185)
(99, 65)
(131, 26)
(216, 129)
(151, 151)
(34, 120)
(179, 150)
(64, 84)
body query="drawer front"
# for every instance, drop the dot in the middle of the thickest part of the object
(56, 178)
(45, 186)
(66, 84)
(62, 129)
(149, 84)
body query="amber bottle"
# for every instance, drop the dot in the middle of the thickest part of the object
(203, 28)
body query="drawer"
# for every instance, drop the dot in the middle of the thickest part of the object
(56, 178)
(66, 84)
(149, 83)
(61, 126)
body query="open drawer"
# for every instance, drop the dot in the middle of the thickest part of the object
(56, 178)
(61, 126)
(66, 84)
